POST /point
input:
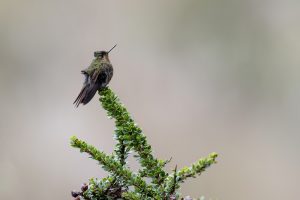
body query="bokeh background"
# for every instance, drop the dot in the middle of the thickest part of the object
(198, 76)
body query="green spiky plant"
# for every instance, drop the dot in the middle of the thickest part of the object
(122, 183)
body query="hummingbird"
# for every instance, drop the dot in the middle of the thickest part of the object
(96, 77)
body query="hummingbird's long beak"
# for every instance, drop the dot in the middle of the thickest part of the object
(112, 48)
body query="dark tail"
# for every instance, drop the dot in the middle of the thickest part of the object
(86, 94)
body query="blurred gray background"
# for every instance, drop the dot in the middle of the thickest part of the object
(198, 76)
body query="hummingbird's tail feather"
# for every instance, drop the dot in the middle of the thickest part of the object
(79, 97)
(86, 94)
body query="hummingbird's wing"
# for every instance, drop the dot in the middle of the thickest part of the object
(103, 75)
(94, 80)
(84, 89)
(91, 84)
(95, 74)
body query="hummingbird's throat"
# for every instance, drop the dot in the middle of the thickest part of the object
(105, 58)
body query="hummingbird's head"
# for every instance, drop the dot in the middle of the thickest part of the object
(102, 54)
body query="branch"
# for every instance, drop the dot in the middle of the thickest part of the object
(171, 183)
(113, 166)
(197, 168)
(128, 133)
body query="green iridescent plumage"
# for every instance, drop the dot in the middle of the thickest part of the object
(97, 76)
(96, 65)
